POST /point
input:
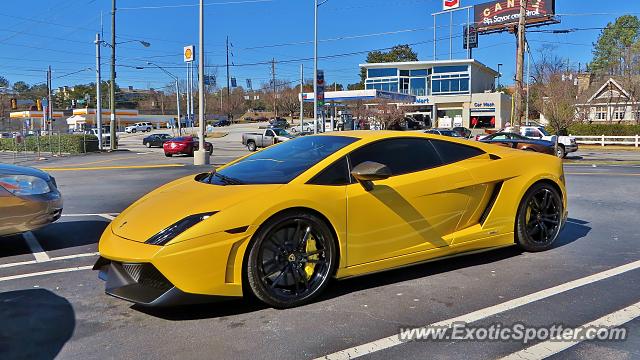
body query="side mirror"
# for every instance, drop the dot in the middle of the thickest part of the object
(368, 172)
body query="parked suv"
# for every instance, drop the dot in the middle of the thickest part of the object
(141, 126)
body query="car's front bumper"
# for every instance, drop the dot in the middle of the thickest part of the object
(571, 148)
(30, 212)
(196, 270)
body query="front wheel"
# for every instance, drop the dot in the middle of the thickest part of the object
(168, 155)
(148, 144)
(539, 218)
(560, 152)
(291, 259)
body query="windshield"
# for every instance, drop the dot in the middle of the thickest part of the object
(543, 131)
(282, 163)
(282, 132)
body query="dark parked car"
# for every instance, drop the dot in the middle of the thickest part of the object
(517, 141)
(279, 123)
(462, 131)
(184, 145)
(222, 122)
(443, 132)
(156, 140)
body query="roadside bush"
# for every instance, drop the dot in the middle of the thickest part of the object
(65, 143)
(604, 129)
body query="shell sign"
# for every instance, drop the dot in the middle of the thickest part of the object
(189, 53)
(450, 4)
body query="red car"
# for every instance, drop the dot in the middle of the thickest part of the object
(184, 145)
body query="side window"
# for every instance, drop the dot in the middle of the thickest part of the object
(531, 133)
(500, 137)
(401, 155)
(269, 133)
(334, 174)
(453, 152)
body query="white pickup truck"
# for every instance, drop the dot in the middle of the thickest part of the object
(566, 144)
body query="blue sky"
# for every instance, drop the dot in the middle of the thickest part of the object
(38, 33)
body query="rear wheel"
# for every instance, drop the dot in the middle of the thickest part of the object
(148, 144)
(539, 218)
(251, 146)
(133, 131)
(168, 155)
(291, 259)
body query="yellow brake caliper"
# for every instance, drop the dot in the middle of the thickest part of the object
(311, 246)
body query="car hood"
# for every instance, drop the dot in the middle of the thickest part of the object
(6, 169)
(177, 200)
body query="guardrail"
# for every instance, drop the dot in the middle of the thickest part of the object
(603, 140)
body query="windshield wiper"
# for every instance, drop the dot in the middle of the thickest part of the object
(225, 179)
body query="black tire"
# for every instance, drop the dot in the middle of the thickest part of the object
(148, 144)
(539, 218)
(560, 152)
(133, 131)
(168, 155)
(285, 273)
(252, 146)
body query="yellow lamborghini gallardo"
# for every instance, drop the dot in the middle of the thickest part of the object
(280, 223)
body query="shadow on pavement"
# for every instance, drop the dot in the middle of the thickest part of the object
(67, 234)
(204, 311)
(13, 245)
(574, 230)
(35, 324)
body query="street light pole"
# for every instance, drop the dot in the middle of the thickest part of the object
(177, 84)
(201, 157)
(98, 92)
(315, 67)
(112, 123)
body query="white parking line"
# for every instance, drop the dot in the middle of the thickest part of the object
(31, 262)
(35, 247)
(394, 340)
(107, 216)
(82, 215)
(48, 272)
(556, 345)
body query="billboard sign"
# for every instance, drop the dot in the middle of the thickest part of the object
(470, 37)
(450, 4)
(502, 15)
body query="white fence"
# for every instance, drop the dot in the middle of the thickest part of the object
(608, 140)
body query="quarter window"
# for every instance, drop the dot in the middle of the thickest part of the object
(335, 174)
(452, 152)
(401, 155)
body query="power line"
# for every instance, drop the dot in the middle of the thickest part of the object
(194, 5)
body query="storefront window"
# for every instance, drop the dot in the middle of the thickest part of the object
(419, 86)
(450, 69)
(420, 72)
(382, 72)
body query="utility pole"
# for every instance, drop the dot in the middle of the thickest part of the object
(275, 91)
(301, 97)
(228, 83)
(191, 106)
(98, 92)
(49, 102)
(112, 123)
(520, 65)
(201, 157)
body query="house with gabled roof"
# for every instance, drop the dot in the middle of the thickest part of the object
(608, 100)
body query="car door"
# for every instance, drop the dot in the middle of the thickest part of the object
(268, 138)
(417, 209)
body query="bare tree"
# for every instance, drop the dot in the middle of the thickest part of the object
(389, 116)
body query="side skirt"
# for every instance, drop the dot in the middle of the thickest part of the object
(463, 249)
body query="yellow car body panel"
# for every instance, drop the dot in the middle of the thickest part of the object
(406, 219)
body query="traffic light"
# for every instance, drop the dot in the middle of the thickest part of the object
(14, 104)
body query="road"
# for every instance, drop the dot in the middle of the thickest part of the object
(53, 305)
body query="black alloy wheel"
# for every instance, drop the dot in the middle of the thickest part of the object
(291, 260)
(539, 219)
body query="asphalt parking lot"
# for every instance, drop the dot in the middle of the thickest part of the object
(53, 305)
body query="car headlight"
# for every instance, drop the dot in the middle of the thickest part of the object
(24, 185)
(167, 234)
